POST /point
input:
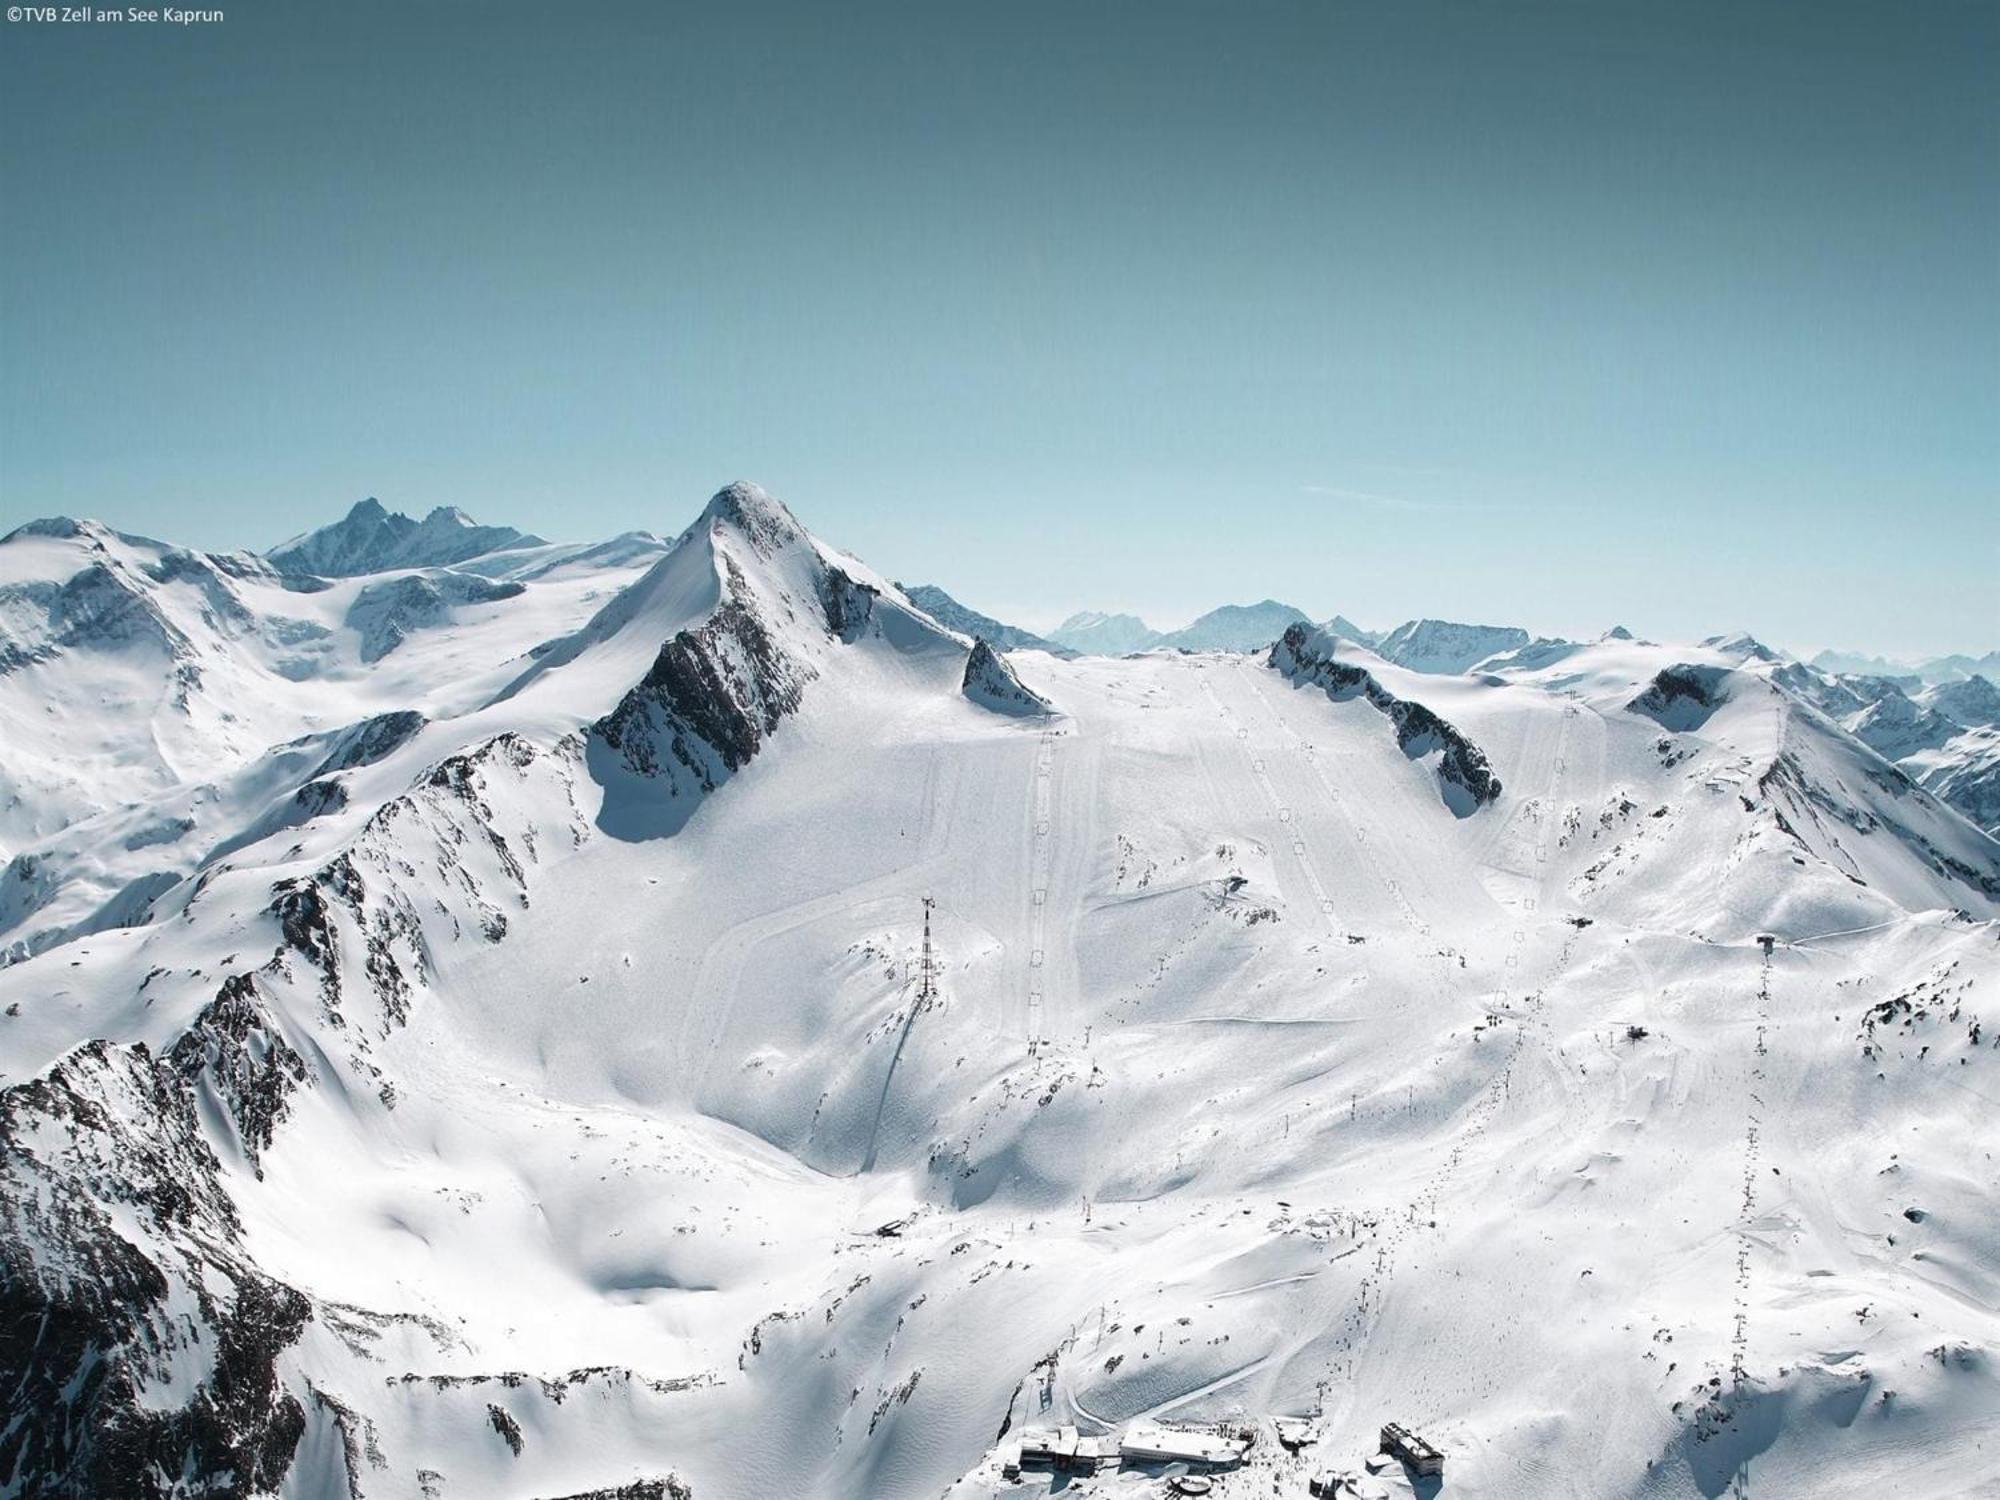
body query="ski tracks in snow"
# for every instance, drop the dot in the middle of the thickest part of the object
(1040, 865)
(1291, 828)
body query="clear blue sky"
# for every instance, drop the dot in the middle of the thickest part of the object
(1685, 316)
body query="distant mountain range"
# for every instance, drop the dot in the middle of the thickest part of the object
(373, 539)
(1954, 668)
(1233, 627)
(946, 610)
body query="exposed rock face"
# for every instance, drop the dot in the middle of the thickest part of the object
(1946, 736)
(1743, 646)
(990, 682)
(1466, 780)
(1807, 808)
(99, 607)
(712, 696)
(1836, 697)
(318, 798)
(373, 539)
(1345, 628)
(369, 741)
(1683, 697)
(124, 1276)
(237, 1049)
(849, 605)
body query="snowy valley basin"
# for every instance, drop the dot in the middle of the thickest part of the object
(485, 1017)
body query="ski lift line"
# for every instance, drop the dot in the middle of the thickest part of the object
(1843, 932)
(1739, 1342)
(1041, 863)
(1555, 801)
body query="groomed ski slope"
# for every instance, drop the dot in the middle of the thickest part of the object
(1260, 1081)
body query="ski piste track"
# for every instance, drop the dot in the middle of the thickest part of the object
(1393, 1231)
(1307, 805)
(1040, 867)
(1291, 831)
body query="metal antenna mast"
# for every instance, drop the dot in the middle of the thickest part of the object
(926, 984)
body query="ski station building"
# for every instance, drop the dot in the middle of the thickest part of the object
(1067, 1451)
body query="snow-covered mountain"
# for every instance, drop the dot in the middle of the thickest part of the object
(1345, 629)
(373, 539)
(1090, 633)
(1970, 701)
(1935, 669)
(697, 1024)
(946, 610)
(1235, 627)
(1940, 735)
(1442, 646)
(1230, 627)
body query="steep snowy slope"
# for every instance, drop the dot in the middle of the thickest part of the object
(1937, 735)
(1964, 773)
(566, 1107)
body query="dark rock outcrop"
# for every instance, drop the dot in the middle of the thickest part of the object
(849, 604)
(1466, 778)
(711, 697)
(1683, 697)
(120, 1267)
(990, 682)
(237, 1050)
(369, 741)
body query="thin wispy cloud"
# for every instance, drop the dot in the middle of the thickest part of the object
(1371, 497)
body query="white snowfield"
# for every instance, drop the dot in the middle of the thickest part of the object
(538, 1097)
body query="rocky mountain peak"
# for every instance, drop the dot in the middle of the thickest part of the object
(759, 516)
